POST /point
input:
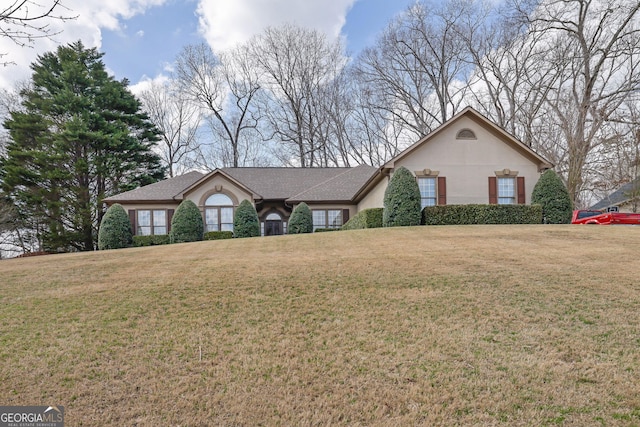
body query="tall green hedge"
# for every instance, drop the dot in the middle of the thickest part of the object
(187, 224)
(552, 194)
(245, 220)
(482, 214)
(301, 220)
(115, 229)
(401, 200)
(366, 218)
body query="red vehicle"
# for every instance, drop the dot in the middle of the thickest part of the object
(609, 217)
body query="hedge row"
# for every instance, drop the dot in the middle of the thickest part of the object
(482, 214)
(218, 235)
(161, 239)
(367, 218)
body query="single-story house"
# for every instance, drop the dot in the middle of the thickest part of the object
(626, 198)
(468, 159)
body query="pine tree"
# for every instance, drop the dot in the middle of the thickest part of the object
(79, 137)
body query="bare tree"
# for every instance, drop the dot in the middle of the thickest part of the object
(226, 86)
(599, 41)
(421, 65)
(178, 120)
(24, 21)
(297, 65)
(617, 159)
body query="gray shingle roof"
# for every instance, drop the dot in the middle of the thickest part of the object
(299, 184)
(167, 189)
(618, 197)
(284, 183)
(342, 187)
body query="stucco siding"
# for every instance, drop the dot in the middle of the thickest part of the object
(375, 197)
(217, 184)
(468, 163)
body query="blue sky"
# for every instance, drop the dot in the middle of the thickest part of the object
(141, 38)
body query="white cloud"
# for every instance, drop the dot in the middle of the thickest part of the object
(92, 17)
(145, 83)
(224, 24)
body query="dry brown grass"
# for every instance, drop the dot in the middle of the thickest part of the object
(474, 325)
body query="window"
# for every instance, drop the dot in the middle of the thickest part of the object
(330, 218)
(506, 191)
(427, 191)
(151, 222)
(218, 213)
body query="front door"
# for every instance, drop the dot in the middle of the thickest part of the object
(273, 227)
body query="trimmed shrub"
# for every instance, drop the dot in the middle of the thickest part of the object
(301, 220)
(218, 235)
(115, 229)
(367, 218)
(552, 194)
(482, 214)
(324, 230)
(245, 221)
(160, 239)
(187, 224)
(401, 200)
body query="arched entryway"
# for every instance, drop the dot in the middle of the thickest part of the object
(274, 225)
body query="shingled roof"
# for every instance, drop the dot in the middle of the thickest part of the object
(342, 187)
(618, 197)
(166, 190)
(295, 184)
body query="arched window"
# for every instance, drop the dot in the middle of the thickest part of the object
(218, 213)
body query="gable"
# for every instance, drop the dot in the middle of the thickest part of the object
(219, 182)
(468, 139)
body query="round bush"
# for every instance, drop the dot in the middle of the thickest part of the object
(301, 220)
(115, 229)
(551, 193)
(186, 225)
(245, 220)
(402, 200)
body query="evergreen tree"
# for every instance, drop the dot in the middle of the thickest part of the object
(186, 224)
(301, 220)
(245, 221)
(552, 194)
(79, 137)
(115, 229)
(402, 200)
